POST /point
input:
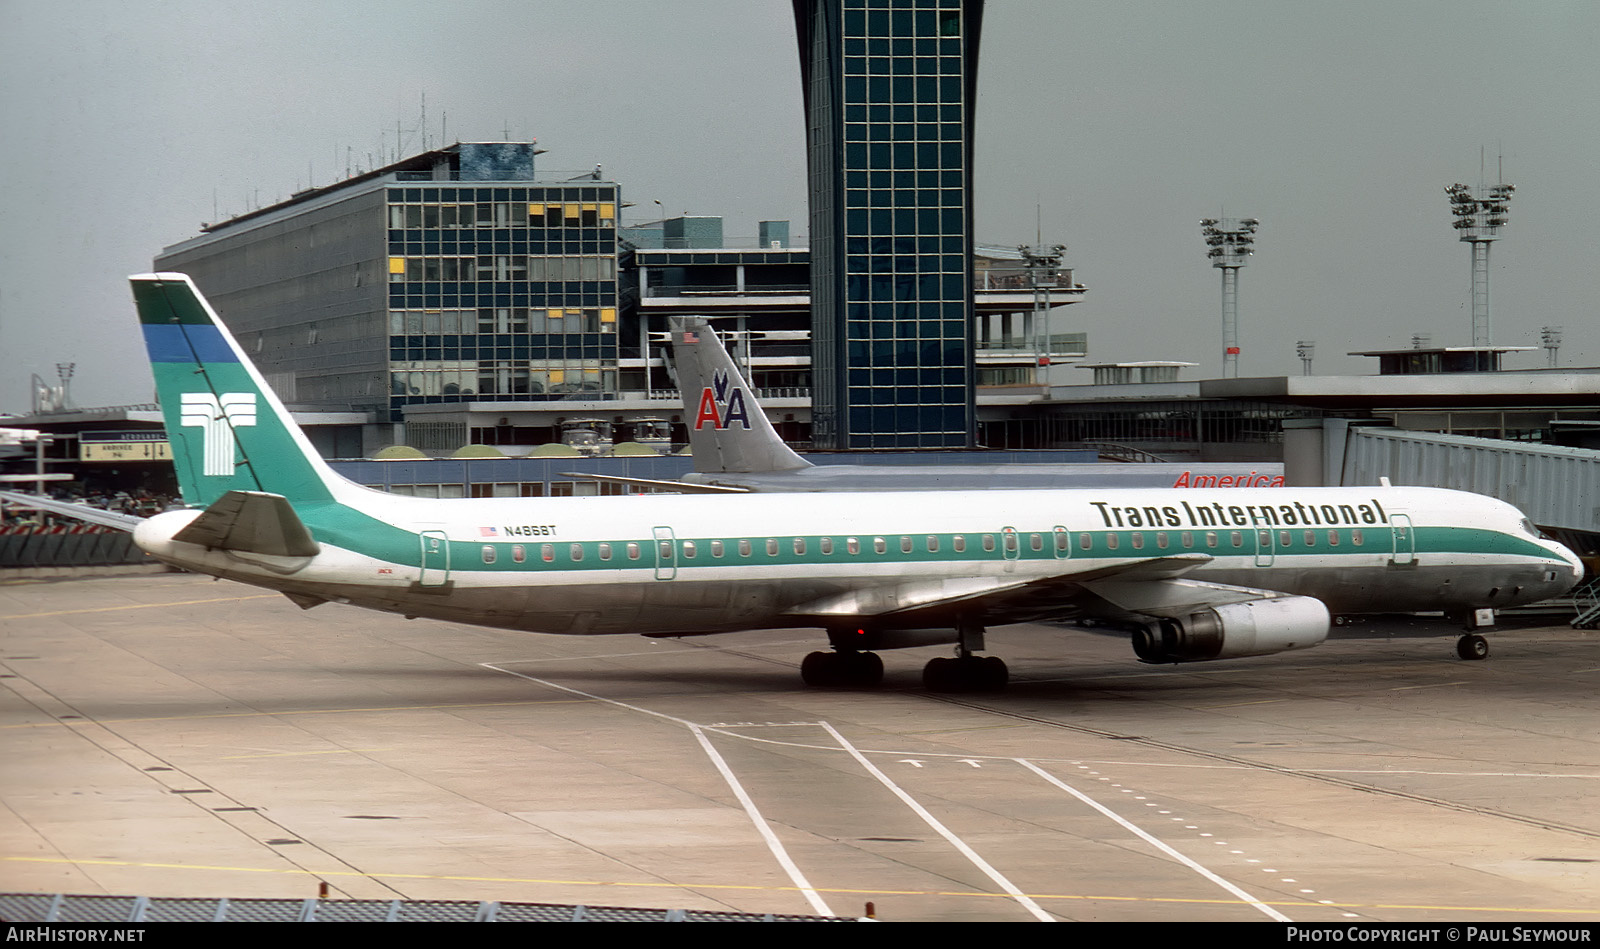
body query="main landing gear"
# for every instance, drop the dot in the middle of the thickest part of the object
(849, 666)
(845, 669)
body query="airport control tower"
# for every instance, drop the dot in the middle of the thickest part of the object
(889, 92)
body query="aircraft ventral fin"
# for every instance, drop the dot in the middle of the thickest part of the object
(251, 522)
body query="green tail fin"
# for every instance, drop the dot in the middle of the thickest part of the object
(227, 429)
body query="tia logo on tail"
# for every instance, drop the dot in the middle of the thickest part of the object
(216, 419)
(721, 405)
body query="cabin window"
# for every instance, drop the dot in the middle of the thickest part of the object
(1086, 540)
(905, 544)
(879, 545)
(1036, 541)
(772, 547)
(744, 548)
(519, 553)
(1333, 538)
(1111, 541)
(605, 551)
(933, 543)
(1357, 538)
(488, 553)
(826, 545)
(1238, 539)
(716, 548)
(1187, 539)
(633, 551)
(1211, 538)
(1138, 540)
(958, 543)
(664, 550)
(1311, 538)
(1161, 539)
(547, 552)
(799, 546)
(575, 552)
(988, 543)
(1286, 538)
(1063, 540)
(853, 545)
(688, 550)
(1263, 538)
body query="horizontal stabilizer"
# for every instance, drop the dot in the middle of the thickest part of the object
(253, 522)
(83, 512)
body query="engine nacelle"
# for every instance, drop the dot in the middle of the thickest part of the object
(1252, 628)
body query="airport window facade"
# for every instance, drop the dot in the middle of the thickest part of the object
(889, 129)
(501, 292)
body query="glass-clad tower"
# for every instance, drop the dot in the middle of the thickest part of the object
(889, 90)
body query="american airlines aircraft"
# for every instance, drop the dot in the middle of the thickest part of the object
(736, 449)
(1195, 574)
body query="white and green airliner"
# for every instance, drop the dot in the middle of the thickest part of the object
(1195, 574)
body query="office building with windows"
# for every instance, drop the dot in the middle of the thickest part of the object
(889, 92)
(448, 278)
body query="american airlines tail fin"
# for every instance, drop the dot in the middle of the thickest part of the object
(227, 429)
(727, 429)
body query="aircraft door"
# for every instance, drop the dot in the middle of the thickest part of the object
(666, 553)
(1010, 543)
(1405, 540)
(1266, 545)
(435, 559)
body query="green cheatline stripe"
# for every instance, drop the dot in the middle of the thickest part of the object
(352, 530)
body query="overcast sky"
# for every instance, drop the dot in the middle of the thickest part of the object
(1119, 124)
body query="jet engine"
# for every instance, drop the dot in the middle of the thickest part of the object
(1230, 630)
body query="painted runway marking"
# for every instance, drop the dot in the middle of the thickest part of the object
(775, 845)
(943, 831)
(142, 606)
(1131, 828)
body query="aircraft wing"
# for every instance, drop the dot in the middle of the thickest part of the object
(679, 487)
(1153, 587)
(83, 512)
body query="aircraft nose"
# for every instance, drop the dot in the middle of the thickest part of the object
(1573, 564)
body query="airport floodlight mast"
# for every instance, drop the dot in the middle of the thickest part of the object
(1044, 269)
(1479, 214)
(1305, 349)
(1229, 244)
(1550, 339)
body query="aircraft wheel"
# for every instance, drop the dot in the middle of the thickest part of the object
(990, 674)
(820, 669)
(1472, 646)
(940, 675)
(967, 674)
(860, 670)
(864, 670)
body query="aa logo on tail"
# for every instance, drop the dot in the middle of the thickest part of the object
(217, 418)
(721, 405)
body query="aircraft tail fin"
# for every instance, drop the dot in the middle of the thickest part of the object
(227, 429)
(728, 431)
